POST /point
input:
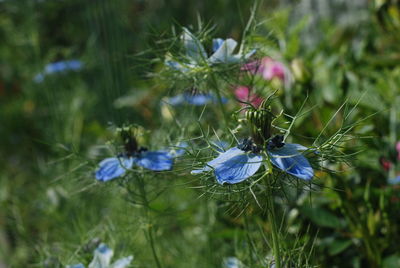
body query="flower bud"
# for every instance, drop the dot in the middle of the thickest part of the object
(260, 122)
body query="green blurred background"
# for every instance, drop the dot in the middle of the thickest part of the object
(48, 129)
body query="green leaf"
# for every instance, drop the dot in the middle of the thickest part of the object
(322, 217)
(338, 246)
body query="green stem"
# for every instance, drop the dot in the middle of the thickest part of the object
(219, 97)
(272, 220)
(153, 249)
(149, 228)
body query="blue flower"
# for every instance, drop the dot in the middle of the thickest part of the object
(161, 160)
(114, 167)
(102, 259)
(394, 181)
(223, 52)
(232, 262)
(58, 67)
(196, 99)
(196, 54)
(241, 162)
(178, 150)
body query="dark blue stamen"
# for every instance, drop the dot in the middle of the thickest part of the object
(248, 145)
(275, 142)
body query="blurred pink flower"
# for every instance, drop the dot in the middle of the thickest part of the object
(273, 69)
(267, 67)
(398, 150)
(243, 94)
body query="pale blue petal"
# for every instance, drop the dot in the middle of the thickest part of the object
(102, 257)
(238, 168)
(239, 57)
(194, 48)
(198, 99)
(178, 150)
(79, 265)
(222, 157)
(156, 161)
(113, 167)
(394, 181)
(122, 263)
(220, 146)
(232, 262)
(290, 160)
(224, 52)
(176, 66)
(176, 100)
(249, 54)
(217, 44)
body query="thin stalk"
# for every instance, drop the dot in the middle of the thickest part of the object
(153, 248)
(272, 220)
(219, 97)
(149, 228)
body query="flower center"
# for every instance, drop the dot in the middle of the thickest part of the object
(275, 142)
(260, 122)
(248, 145)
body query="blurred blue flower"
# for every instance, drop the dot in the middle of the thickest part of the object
(241, 162)
(102, 259)
(178, 150)
(58, 67)
(161, 160)
(196, 99)
(223, 52)
(394, 181)
(232, 262)
(196, 54)
(114, 167)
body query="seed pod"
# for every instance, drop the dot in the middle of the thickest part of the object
(260, 122)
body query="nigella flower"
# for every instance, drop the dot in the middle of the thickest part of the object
(102, 259)
(243, 161)
(196, 54)
(114, 167)
(193, 97)
(58, 67)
